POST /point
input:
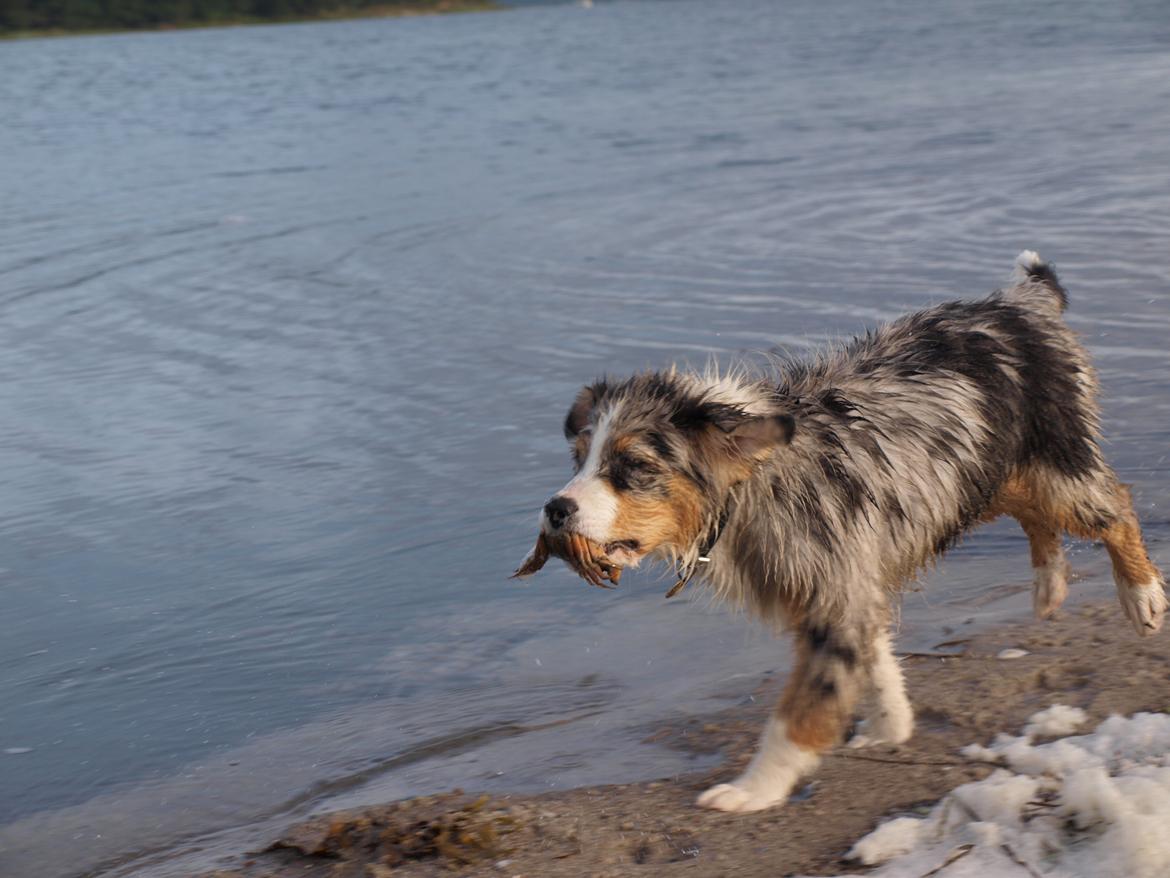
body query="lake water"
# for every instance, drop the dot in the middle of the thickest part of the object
(290, 316)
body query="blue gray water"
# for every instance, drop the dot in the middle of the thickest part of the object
(289, 317)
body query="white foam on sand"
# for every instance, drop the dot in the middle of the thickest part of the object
(1085, 806)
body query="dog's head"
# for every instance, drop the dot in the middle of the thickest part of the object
(655, 456)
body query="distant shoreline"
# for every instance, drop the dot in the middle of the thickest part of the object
(388, 10)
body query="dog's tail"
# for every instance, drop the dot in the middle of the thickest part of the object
(1036, 285)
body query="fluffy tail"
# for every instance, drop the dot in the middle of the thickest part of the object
(1036, 284)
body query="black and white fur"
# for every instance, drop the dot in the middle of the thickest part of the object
(822, 489)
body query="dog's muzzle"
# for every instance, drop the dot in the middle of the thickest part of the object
(558, 511)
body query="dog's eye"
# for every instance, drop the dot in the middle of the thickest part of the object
(627, 471)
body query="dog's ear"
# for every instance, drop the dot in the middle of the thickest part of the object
(578, 417)
(757, 437)
(750, 437)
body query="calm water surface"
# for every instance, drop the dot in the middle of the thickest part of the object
(289, 317)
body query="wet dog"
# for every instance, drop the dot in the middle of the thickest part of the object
(812, 496)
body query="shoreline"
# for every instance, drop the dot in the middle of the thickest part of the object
(391, 10)
(1088, 658)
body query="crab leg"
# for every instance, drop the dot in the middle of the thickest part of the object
(586, 558)
(594, 565)
(535, 559)
(586, 566)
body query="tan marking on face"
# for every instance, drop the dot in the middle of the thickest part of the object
(674, 519)
(622, 443)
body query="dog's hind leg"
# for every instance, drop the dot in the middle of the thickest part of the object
(1140, 585)
(812, 715)
(1027, 497)
(1093, 506)
(889, 718)
(1049, 566)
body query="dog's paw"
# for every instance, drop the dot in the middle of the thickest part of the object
(1145, 605)
(891, 727)
(736, 798)
(861, 740)
(1049, 589)
(778, 764)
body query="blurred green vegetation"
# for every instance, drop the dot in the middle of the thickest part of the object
(20, 16)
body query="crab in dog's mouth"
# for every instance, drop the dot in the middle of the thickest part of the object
(597, 564)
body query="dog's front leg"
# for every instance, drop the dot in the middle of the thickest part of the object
(812, 715)
(889, 718)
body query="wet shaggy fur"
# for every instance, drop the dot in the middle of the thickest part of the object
(822, 489)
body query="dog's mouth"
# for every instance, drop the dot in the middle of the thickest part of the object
(593, 562)
(596, 563)
(590, 560)
(624, 552)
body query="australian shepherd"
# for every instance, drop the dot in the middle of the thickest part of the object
(811, 496)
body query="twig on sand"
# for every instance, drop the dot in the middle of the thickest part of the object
(965, 849)
(1015, 858)
(958, 854)
(959, 641)
(851, 754)
(940, 650)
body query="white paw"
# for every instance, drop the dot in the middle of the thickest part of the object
(864, 736)
(1049, 589)
(732, 797)
(892, 727)
(1145, 605)
(778, 764)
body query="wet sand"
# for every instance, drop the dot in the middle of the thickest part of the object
(1088, 658)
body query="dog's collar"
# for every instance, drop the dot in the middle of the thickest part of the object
(686, 574)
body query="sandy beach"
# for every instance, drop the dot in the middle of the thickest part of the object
(1088, 658)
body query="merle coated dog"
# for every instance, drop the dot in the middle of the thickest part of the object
(813, 495)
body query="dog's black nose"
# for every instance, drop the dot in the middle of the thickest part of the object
(558, 510)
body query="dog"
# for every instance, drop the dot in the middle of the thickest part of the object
(811, 496)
